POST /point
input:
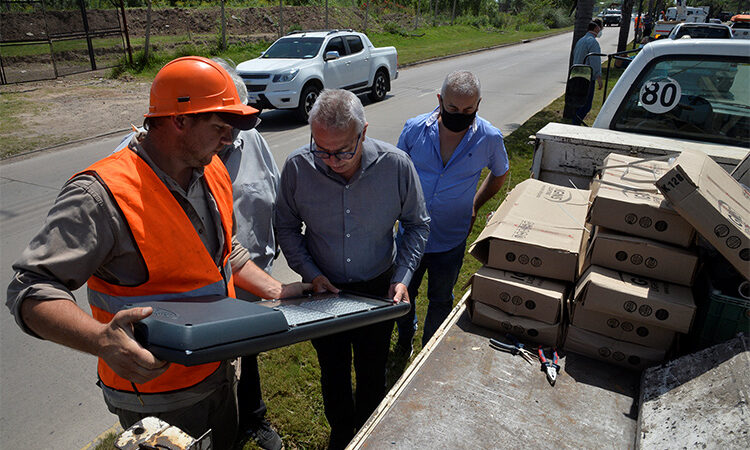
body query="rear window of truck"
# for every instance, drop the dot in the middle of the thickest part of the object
(698, 99)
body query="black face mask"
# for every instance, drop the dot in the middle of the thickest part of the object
(456, 122)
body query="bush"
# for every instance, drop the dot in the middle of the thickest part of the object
(474, 21)
(555, 18)
(532, 27)
(394, 28)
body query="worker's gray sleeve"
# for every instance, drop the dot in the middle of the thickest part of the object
(76, 239)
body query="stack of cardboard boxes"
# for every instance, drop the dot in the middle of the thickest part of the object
(530, 249)
(634, 295)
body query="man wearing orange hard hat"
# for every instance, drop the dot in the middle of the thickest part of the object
(153, 219)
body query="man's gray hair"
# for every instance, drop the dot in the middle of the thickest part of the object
(238, 83)
(338, 109)
(462, 82)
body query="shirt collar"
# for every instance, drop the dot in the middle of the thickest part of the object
(433, 117)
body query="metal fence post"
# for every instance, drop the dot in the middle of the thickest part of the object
(88, 34)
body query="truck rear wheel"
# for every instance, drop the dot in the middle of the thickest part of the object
(379, 86)
(306, 101)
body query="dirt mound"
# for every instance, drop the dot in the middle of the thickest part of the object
(240, 21)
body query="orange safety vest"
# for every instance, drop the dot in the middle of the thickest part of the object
(177, 262)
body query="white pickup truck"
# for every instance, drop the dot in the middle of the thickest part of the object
(295, 68)
(675, 94)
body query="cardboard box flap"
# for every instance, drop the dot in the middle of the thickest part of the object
(621, 286)
(519, 294)
(541, 286)
(537, 213)
(605, 233)
(713, 202)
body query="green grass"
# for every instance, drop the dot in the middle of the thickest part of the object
(431, 42)
(15, 138)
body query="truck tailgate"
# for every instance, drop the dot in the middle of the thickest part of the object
(460, 393)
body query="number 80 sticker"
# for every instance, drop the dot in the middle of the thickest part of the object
(660, 95)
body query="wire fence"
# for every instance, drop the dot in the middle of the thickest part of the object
(40, 42)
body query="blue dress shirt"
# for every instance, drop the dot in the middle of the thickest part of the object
(449, 190)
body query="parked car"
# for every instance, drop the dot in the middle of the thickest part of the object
(701, 30)
(295, 68)
(741, 26)
(611, 17)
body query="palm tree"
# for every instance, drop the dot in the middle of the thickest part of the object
(627, 11)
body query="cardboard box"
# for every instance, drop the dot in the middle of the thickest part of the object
(604, 348)
(625, 198)
(519, 294)
(537, 230)
(637, 299)
(622, 329)
(523, 328)
(642, 256)
(714, 203)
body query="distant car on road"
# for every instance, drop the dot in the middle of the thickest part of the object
(741, 26)
(701, 30)
(295, 68)
(611, 17)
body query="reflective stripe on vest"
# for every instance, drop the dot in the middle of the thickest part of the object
(178, 264)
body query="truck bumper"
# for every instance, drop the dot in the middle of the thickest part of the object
(274, 99)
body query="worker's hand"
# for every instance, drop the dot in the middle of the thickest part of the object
(399, 293)
(322, 284)
(599, 83)
(121, 352)
(294, 289)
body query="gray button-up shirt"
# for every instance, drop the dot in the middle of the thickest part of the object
(588, 44)
(349, 225)
(255, 182)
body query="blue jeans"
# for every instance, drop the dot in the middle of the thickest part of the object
(583, 110)
(443, 269)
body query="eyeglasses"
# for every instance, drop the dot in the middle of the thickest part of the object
(341, 156)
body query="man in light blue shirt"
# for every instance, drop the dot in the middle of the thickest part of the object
(449, 148)
(588, 44)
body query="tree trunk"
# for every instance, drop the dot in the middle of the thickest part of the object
(584, 12)
(223, 26)
(434, 17)
(148, 32)
(627, 11)
(416, 18)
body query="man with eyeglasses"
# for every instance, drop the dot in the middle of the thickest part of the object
(349, 191)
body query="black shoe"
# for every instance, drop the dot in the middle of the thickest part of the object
(265, 436)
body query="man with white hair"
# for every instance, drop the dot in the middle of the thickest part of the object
(449, 147)
(349, 191)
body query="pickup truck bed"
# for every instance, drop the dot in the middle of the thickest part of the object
(460, 393)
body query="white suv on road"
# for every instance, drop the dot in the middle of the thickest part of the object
(295, 68)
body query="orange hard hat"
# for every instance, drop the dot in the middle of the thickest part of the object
(193, 84)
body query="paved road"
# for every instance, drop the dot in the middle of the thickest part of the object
(47, 396)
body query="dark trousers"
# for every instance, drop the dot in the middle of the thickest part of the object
(583, 110)
(249, 397)
(370, 344)
(443, 269)
(218, 412)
